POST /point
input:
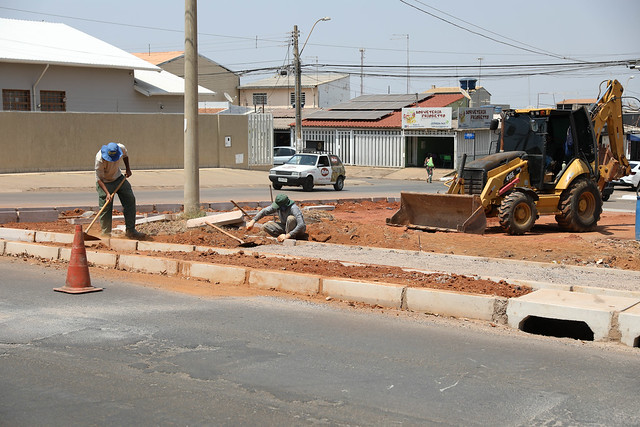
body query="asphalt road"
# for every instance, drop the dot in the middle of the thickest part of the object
(133, 355)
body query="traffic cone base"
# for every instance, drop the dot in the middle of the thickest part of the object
(78, 280)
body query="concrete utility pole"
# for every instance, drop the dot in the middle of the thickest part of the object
(298, 84)
(191, 153)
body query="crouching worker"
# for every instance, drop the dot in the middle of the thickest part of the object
(290, 223)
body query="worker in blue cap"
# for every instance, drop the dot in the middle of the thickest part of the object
(108, 178)
(290, 224)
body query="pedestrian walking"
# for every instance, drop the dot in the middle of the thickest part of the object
(428, 163)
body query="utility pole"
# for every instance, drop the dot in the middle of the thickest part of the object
(191, 157)
(361, 71)
(298, 84)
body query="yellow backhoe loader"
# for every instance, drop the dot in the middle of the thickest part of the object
(551, 162)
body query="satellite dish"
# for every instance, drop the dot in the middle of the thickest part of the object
(229, 98)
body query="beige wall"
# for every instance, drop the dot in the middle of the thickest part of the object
(39, 142)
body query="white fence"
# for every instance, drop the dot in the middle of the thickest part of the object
(379, 148)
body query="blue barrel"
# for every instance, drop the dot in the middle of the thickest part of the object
(638, 213)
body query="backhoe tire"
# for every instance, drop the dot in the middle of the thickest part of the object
(307, 185)
(580, 206)
(517, 213)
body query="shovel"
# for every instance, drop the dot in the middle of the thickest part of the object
(241, 210)
(87, 236)
(241, 242)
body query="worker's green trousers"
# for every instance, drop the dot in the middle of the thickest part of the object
(128, 201)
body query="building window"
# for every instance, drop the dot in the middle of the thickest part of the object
(16, 100)
(53, 100)
(259, 99)
(293, 99)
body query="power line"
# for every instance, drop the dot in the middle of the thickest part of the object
(536, 51)
(489, 31)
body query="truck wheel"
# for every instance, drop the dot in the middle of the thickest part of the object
(339, 185)
(307, 185)
(580, 206)
(276, 186)
(517, 213)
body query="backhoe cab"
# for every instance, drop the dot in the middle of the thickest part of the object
(551, 162)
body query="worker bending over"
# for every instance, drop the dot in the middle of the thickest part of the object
(290, 224)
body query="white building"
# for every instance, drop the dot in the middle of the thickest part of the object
(48, 66)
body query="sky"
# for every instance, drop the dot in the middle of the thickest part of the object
(524, 53)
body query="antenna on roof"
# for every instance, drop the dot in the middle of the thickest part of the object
(229, 98)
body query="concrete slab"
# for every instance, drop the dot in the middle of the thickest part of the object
(606, 291)
(451, 303)
(121, 244)
(37, 215)
(51, 237)
(597, 311)
(233, 217)
(79, 220)
(629, 325)
(292, 282)
(103, 259)
(155, 218)
(164, 247)
(3, 245)
(31, 249)
(16, 234)
(227, 275)
(148, 264)
(384, 294)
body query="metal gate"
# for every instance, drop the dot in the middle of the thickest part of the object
(260, 139)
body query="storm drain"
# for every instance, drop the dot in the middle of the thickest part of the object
(557, 328)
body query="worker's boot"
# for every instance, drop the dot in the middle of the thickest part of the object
(134, 234)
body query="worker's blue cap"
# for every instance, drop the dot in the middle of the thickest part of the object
(111, 152)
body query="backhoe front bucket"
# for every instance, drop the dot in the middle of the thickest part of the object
(441, 212)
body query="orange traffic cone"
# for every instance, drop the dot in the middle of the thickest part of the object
(78, 280)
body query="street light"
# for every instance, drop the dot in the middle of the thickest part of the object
(296, 57)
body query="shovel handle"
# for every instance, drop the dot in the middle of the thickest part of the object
(241, 210)
(104, 206)
(222, 231)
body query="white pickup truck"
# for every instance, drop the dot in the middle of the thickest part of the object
(308, 170)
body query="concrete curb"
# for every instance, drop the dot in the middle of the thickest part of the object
(611, 315)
